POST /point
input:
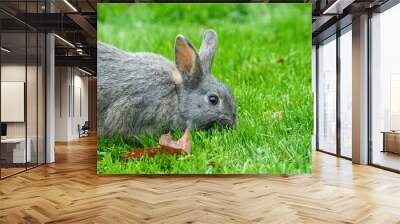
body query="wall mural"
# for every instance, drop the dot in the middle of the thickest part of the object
(204, 89)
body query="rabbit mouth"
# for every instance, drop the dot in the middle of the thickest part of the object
(222, 123)
(225, 123)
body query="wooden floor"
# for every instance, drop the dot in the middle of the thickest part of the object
(10, 171)
(70, 191)
(387, 159)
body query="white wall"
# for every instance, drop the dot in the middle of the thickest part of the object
(12, 73)
(33, 126)
(62, 82)
(70, 83)
(13, 100)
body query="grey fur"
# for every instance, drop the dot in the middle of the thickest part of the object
(145, 93)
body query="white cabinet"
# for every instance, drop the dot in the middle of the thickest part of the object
(18, 149)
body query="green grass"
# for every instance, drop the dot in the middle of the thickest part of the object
(264, 55)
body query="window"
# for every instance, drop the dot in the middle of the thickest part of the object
(385, 89)
(346, 92)
(327, 95)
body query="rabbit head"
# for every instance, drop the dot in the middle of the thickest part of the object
(203, 100)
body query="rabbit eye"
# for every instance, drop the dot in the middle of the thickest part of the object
(213, 99)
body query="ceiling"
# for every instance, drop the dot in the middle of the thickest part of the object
(330, 15)
(74, 22)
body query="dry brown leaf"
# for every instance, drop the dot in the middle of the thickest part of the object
(181, 146)
(139, 152)
(165, 145)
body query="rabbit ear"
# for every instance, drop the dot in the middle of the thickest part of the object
(187, 61)
(207, 50)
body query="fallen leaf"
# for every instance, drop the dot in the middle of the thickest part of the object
(181, 146)
(139, 152)
(165, 145)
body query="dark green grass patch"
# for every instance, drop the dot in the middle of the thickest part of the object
(263, 54)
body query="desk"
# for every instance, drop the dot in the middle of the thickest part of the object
(391, 141)
(13, 150)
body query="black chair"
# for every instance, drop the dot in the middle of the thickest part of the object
(84, 130)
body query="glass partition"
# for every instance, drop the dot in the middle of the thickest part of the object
(41, 110)
(22, 77)
(31, 99)
(327, 95)
(385, 89)
(14, 153)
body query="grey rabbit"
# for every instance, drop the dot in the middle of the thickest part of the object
(145, 93)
